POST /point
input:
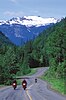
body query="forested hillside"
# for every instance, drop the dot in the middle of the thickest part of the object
(4, 40)
(54, 46)
(11, 59)
(49, 49)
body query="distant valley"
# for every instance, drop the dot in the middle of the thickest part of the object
(21, 30)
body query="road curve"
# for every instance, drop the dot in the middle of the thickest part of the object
(34, 91)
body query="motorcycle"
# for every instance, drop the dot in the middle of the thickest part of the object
(14, 84)
(24, 84)
(35, 80)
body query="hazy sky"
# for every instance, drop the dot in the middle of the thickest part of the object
(43, 8)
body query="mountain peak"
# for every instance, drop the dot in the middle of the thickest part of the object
(30, 21)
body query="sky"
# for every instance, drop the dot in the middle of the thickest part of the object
(43, 8)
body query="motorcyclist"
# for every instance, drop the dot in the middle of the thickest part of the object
(14, 84)
(14, 81)
(35, 80)
(24, 84)
(24, 81)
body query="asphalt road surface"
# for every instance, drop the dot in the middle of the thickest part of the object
(34, 91)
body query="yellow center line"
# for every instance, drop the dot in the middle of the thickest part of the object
(28, 95)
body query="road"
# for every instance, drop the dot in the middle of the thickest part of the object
(34, 91)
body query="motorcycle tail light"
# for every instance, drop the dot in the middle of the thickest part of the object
(14, 84)
(24, 84)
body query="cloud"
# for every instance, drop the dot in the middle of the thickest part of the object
(13, 14)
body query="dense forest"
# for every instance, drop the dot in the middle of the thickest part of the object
(48, 49)
(52, 46)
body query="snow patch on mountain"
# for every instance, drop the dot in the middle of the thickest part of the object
(38, 21)
(29, 21)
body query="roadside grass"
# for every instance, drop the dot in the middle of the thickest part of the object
(56, 84)
(33, 71)
(1, 86)
(19, 82)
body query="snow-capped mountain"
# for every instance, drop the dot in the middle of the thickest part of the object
(30, 21)
(22, 29)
